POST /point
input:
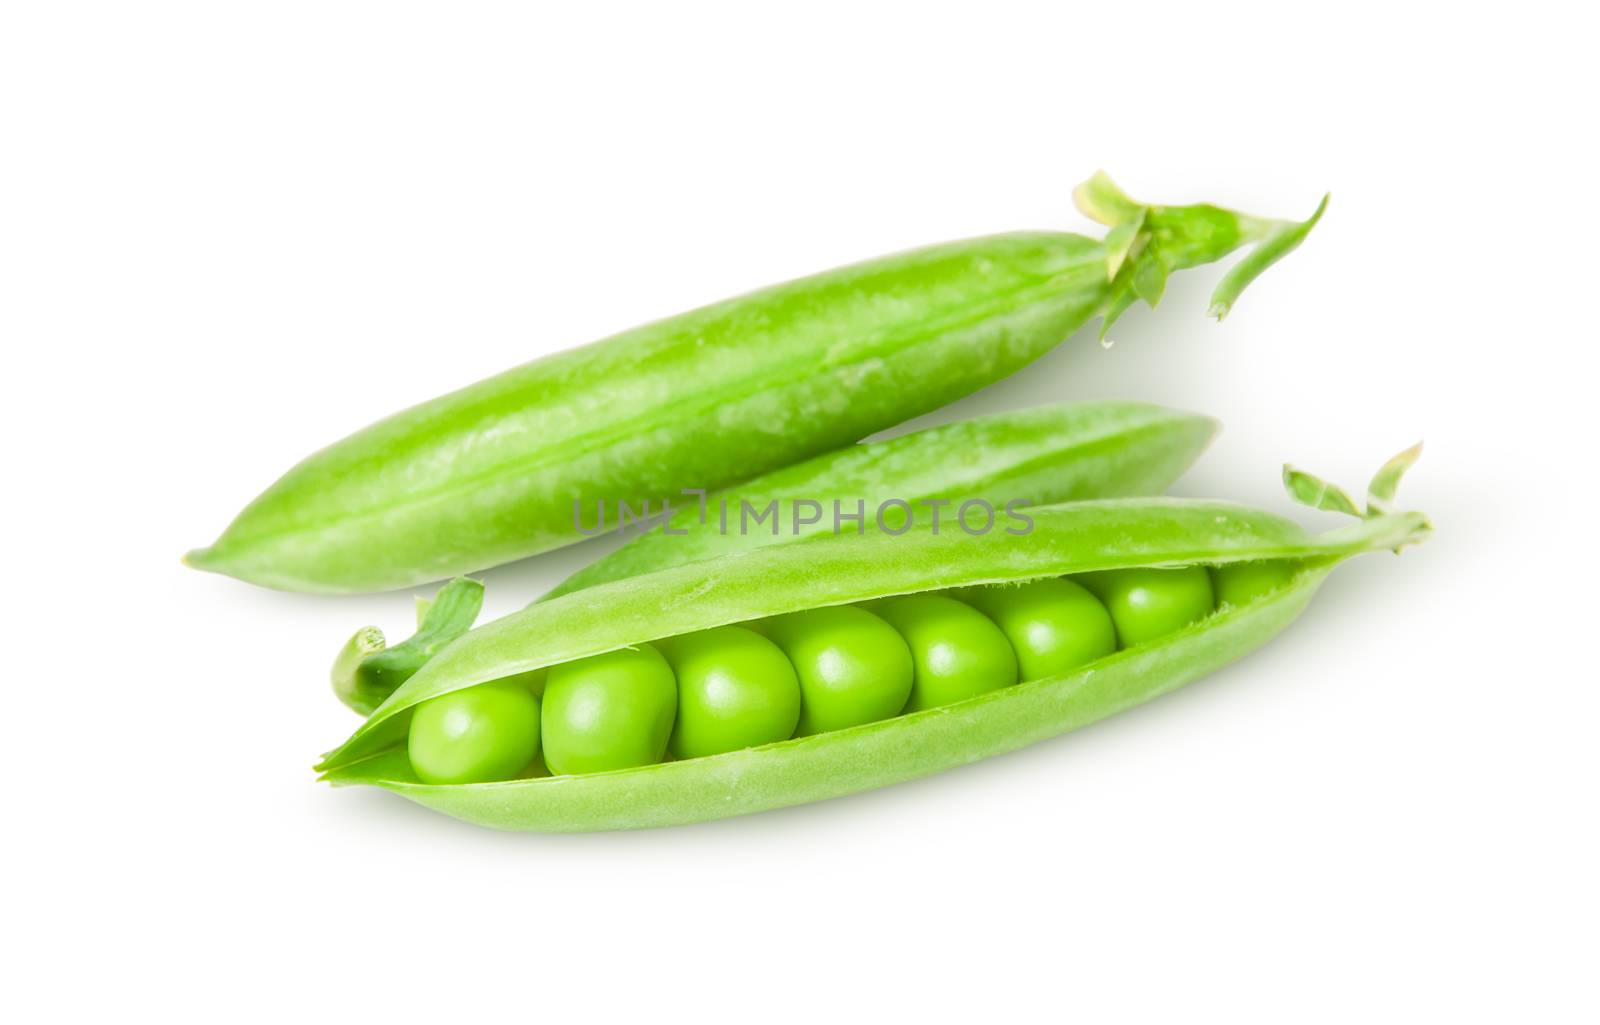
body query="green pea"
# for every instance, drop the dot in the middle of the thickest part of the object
(611, 711)
(1053, 625)
(1149, 603)
(956, 651)
(852, 666)
(477, 735)
(735, 690)
(1239, 583)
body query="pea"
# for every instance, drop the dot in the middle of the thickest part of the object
(1149, 603)
(610, 711)
(735, 690)
(477, 735)
(852, 666)
(956, 651)
(1054, 625)
(1239, 583)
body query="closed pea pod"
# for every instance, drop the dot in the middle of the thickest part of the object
(1077, 538)
(488, 473)
(1055, 453)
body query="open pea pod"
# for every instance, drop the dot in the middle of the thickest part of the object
(839, 569)
(1044, 455)
(489, 473)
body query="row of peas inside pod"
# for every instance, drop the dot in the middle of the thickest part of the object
(809, 672)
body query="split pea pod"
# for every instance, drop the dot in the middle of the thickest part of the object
(489, 473)
(1055, 453)
(1105, 543)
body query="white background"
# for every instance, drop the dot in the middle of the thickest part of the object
(232, 233)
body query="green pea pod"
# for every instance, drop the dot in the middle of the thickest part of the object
(1041, 456)
(490, 473)
(837, 569)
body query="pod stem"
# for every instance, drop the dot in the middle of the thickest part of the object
(365, 672)
(1147, 243)
(1406, 528)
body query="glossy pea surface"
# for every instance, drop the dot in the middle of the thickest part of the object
(956, 651)
(853, 667)
(1149, 603)
(477, 735)
(735, 690)
(1054, 626)
(610, 711)
(1240, 583)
